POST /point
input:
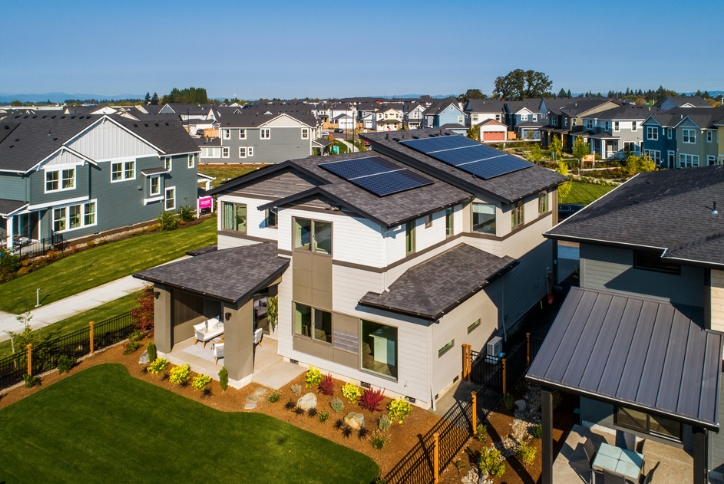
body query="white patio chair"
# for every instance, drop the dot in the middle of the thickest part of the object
(258, 335)
(218, 352)
(208, 330)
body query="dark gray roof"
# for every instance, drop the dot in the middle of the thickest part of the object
(528, 124)
(485, 106)
(169, 136)
(639, 213)
(441, 105)
(532, 105)
(437, 286)
(665, 118)
(9, 206)
(507, 188)
(627, 111)
(252, 118)
(207, 142)
(229, 275)
(154, 171)
(573, 107)
(696, 101)
(703, 117)
(633, 351)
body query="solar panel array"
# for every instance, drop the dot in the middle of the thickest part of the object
(468, 155)
(376, 175)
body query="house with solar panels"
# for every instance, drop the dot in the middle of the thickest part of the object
(382, 263)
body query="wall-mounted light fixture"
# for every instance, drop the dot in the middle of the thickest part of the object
(227, 316)
(156, 294)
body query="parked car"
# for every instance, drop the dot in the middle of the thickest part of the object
(199, 132)
(565, 210)
(325, 133)
(339, 130)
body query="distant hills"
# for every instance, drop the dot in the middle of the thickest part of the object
(59, 97)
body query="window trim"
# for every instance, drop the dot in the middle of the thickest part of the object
(224, 151)
(150, 185)
(305, 133)
(397, 351)
(647, 430)
(249, 151)
(168, 163)
(240, 151)
(517, 213)
(166, 199)
(428, 220)
(475, 325)
(410, 232)
(543, 196)
(191, 162)
(652, 133)
(683, 163)
(688, 136)
(449, 222)
(616, 126)
(226, 133)
(709, 136)
(264, 131)
(446, 348)
(66, 218)
(60, 179)
(269, 211)
(234, 204)
(669, 133)
(312, 233)
(494, 220)
(242, 133)
(123, 171)
(312, 312)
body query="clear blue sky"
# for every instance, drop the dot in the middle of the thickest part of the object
(298, 48)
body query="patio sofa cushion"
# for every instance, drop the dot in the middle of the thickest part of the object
(208, 330)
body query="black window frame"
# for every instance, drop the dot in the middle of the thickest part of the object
(647, 430)
(272, 218)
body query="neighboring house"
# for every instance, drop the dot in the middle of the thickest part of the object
(682, 102)
(80, 175)
(344, 121)
(414, 115)
(263, 137)
(388, 118)
(524, 118)
(379, 282)
(640, 341)
(660, 137)
(697, 137)
(615, 132)
(564, 117)
(479, 110)
(492, 130)
(445, 111)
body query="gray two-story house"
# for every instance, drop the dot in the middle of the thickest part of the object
(80, 175)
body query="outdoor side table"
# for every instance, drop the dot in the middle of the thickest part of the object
(625, 463)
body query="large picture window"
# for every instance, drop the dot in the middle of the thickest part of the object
(74, 216)
(313, 235)
(123, 171)
(57, 180)
(648, 424)
(234, 217)
(484, 218)
(313, 323)
(379, 348)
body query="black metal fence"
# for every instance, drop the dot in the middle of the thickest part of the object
(34, 248)
(45, 356)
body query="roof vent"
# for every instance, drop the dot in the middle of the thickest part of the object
(395, 139)
(714, 210)
(48, 132)
(415, 137)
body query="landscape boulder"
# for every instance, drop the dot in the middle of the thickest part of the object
(144, 358)
(355, 420)
(307, 401)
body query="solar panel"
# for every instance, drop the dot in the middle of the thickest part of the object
(468, 155)
(376, 175)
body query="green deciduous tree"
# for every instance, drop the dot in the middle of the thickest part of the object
(520, 84)
(471, 94)
(474, 132)
(536, 154)
(639, 164)
(580, 148)
(556, 147)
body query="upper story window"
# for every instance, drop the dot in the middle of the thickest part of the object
(226, 133)
(607, 125)
(688, 136)
(58, 180)
(461, 119)
(542, 202)
(709, 136)
(589, 123)
(616, 126)
(652, 133)
(428, 220)
(154, 185)
(534, 117)
(475, 118)
(167, 163)
(225, 152)
(484, 218)
(123, 171)
(449, 222)
(517, 215)
(313, 235)
(190, 161)
(565, 122)
(305, 133)
(242, 134)
(265, 133)
(409, 237)
(633, 126)
(668, 133)
(554, 121)
(234, 217)
(574, 122)
(650, 260)
(524, 117)
(272, 218)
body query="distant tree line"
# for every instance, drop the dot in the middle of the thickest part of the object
(190, 95)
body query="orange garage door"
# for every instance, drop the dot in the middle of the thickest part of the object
(494, 136)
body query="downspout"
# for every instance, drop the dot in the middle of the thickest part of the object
(433, 403)
(502, 304)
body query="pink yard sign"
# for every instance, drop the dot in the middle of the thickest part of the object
(205, 202)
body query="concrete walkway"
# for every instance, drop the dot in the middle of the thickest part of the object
(70, 306)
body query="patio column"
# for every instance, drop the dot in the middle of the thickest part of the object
(547, 437)
(162, 322)
(10, 232)
(700, 451)
(239, 340)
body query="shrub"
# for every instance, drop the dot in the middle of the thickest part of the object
(290, 405)
(142, 312)
(460, 465)
(521, 387)
(312, 412)
(481, 432)
(200, 382)
(102, 241)
(9, 261)
(157, 366)
(186, 213)
(90, 244)
(323, 416)
(538, 431)
(371, 399)
(379, 480)
(31, 381)
(274, 396)
(313, 377)
(351, 392)
(508, 401)
(223, 378)
(151, 348)
(326, 386)
(130, 346)
(65, 363)
(526, 454)
(296, 389)
(491, 463)
(379, 439)
(337, 405)
(385, 423)
(399, 409)
(180, 374)
(167, 221)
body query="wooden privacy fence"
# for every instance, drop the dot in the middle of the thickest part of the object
(44, 357)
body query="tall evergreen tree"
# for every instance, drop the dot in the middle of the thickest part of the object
(147, 99)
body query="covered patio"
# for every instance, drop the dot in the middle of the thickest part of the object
(644, 369)
(210, 309)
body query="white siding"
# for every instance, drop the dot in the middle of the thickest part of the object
(64, 158)
(255, 218)
(107, 141)
(717, 300)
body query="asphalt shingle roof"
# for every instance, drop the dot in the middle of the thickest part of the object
(485, 106)
(9, 206)
(696, 101)
(169, 136)
(252, 118)
(229, 275)
(438, 285)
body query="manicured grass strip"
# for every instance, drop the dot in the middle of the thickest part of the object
(101, 425)
(101, 264)
(80, 321)
(586, 193)
(224, 173)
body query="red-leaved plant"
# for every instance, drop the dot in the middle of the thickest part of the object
(371, 399)
(142, 313)
(326, 386)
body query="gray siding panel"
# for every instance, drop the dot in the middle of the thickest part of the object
(525, 284)
(284, 144)
(12, 187)
(716, 462)
(37, 187)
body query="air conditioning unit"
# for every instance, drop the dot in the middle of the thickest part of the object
(494, 349)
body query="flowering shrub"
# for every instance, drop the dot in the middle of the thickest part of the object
(326, 386)
(200, 382)
(491, 463)
(526, 453)
(180, 374)
(157, 366)
(314, 376)
(399, 409)
(371, 399)
(351, 392)
(142, 313)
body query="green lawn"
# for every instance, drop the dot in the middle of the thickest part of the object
(586, 193)
(79, 321)
(223, 173)
(101, 264)
(101, 425)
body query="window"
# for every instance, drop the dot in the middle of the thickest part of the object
(271, 217)
(168, 165)
(649, 424)
(654, 155)
(516, 214)
(312, 323)
(607, 126)
(74, 217)
(224, 152)
(650, 260)
(123, 171)
(652, 133)
(574, 122)
(322, 237)
(534, 117)
(554, 121)
(497, 117)
(265, 133)
(688, 136)
(633, 126)
(409, 237)
(524, 117)
(474, 326)
(75, 213)
(249, 151)
(475, 118)
(234, 217)
(302, 320)
(154, 185)
(449, 222)
(242, 134)
(226, 133)
(589, 123)
(710, 160)
(630, 146)
(616, 126)
(542, 202)
(709, 136)
(242, 152)
(565, 122)
(461, 119)
(484, 218)
(428, 220)
(190, 161)
(322, 326)
(305, 133)
(302, 233)
(59, 219)
(89, 213)
(445, 348)
(688, 161)
(51, 181)
(313, 235)
(378, 348)
(170, 198)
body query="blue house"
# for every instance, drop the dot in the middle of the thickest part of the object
(444, 112)
(660, 137)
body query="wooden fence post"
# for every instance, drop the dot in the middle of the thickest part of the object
(436, 457)
(466, 361)
(527, 342)
(505, 387)
(30, 359)
(91, 336)
(475, 411)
